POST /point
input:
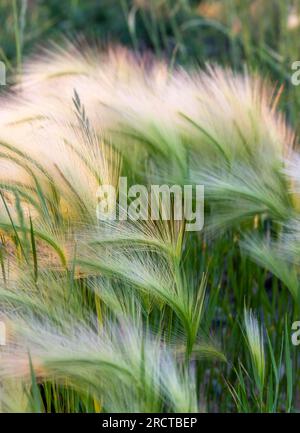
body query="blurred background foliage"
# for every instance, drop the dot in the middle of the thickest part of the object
(262, 35)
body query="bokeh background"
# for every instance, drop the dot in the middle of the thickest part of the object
(261, 35)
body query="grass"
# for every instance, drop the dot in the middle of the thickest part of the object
(143, 316)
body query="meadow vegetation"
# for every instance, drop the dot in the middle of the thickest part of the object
(143, 316)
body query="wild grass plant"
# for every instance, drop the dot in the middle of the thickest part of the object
(143, 316)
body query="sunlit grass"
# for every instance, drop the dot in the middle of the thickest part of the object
(142, 316)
